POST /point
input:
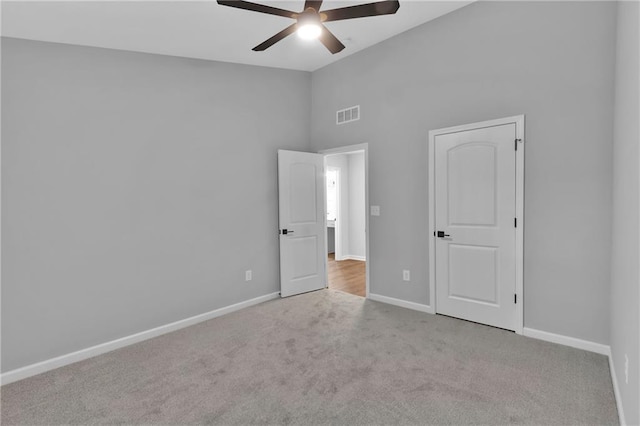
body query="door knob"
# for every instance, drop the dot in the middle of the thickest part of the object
(286, 231)
(441, 234)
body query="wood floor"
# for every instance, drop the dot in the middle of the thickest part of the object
(347, 275)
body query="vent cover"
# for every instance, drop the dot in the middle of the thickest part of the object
(348, 114)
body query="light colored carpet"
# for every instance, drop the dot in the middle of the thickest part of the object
(324, 358)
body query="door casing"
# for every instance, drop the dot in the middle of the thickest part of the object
(518, 120)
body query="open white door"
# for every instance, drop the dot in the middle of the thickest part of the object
(302, 222)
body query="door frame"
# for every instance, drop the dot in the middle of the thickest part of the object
(362, 147)
(518, 120)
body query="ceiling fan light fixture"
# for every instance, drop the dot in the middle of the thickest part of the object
(309, 31)
(309, 25)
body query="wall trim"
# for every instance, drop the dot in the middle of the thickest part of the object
(73, 357)
(60, 361)
(402, 303)
(353, 257)
(586, 345)
(616, 391)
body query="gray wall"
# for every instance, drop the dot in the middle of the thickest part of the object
(136, 190)
(625, 255)
(553, 62)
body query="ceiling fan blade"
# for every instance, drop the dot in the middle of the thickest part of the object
(241, 4)
(315, 4)
(276, 38)
(362, 10)
(330, 41)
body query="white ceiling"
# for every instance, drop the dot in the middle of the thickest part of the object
(206, 30)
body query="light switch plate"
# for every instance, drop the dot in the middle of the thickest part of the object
(375, 210)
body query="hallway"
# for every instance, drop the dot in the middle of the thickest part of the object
(347, 275)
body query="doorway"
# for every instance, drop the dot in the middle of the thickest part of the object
(476, 184)
(347, 221)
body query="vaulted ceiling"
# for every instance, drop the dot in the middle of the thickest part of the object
(206, 30)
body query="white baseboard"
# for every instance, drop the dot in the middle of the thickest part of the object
(53, 363)
(352, 257)
(402, 303)
(587, 346)
(567, 341)
(60, 361)
(616, 392)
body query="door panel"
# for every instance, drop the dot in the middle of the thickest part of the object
(473, 272)
(475, 198)
(303, 256)
(301, 213)
(472, 171)
(302, 195)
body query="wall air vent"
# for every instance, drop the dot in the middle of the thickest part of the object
(348, 115)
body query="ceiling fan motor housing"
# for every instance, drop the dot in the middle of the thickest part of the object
(308, 24)
(309, 17)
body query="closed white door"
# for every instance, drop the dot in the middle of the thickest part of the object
(302, 222)
(475, 212)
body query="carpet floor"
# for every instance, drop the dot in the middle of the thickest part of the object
(325, 357)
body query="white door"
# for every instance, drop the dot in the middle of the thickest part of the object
(302, 222)
(475, 211)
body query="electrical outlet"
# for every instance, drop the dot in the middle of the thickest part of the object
(248, 275)
(626, 369)
(375, 210)
(406, 275)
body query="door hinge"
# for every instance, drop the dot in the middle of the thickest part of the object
(515, 298)
(516, 143)
(515, 222)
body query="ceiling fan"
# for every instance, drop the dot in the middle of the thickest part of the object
(310, 22)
